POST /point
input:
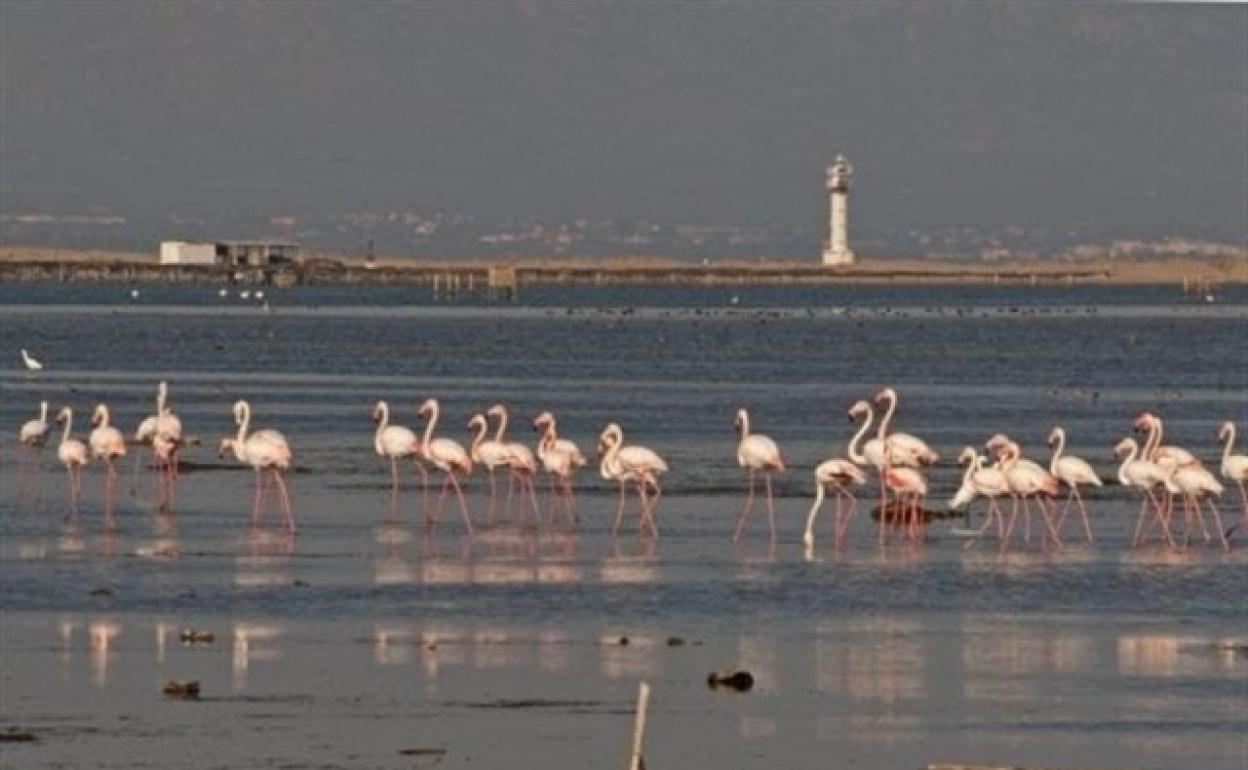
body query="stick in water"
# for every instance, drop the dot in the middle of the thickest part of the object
(639, 727)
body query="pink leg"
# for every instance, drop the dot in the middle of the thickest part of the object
(883, 506)
(489, 519)
(1009, 530)
(1045, 503)
(749, 503)
(619, 512)
(1217, 520)
(528, 482)
(649, 506)
(463, 504)
(771, 509)
(1083, 511)
(285, 496)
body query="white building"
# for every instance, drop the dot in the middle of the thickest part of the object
(183, 253)
(836, 249)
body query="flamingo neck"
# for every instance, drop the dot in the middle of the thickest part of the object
(1130, 458)
(104, 416)
(1057, 453)
(433, 420)
(854, 450)
(887, 420)
(744, 416)
(69, 421)
(1230, 442)
(548, 440)
(502, 426)
(162, 392)
(971, 466)
(482, 427)
(610, 460)
(382, 424)
(43, 411)
(243, 423)
(1154, 438)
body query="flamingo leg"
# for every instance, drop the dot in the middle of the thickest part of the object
(1044, 503)
(463, 504)
(619, 511)
(652, 505)
(493, 495)
(883, 506)
(1217, 520)
(424, 485)
(771, 509)
(1139, 521)
(808, 537)
(285, 498)
(1083, 512)
(567, 501)
(1009, 530)
(528, 482)
(749, 503)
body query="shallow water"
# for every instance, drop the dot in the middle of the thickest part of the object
(364, 636)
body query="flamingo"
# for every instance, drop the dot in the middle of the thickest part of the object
(837, 473)
(1026, 479)
(546, 422)
(107, 444)
(163, 422)
(1234, 466)
(1196, 484)
(903, 443)
(487, 452)
(980, 481)
(35, 431)
(447, 456)
(521, 460)
(394, 442)
(910, 487)
(559, 464)
(163, 448)
(73, 455)
(1144, 474)
(634, 463)
(756, 453)
(32, 363)
(1174, 456)
(1071, 471)
(872, 453)
(264, 450)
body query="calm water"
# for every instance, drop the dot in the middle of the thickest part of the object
(364, 637)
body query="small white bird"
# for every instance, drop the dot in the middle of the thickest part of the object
(32, 364)
(223, 292)
(244, 294)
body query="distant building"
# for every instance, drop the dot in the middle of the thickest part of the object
(228, 253)
(836, 249)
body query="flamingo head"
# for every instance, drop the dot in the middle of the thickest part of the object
(497, 410)
(885, 394)
(226, 446)
(63, 415)
(1225, 429)
(543, 420)
(240, 407)
(968, 455)
(477, 421)
(997, 441)
(611, 436)
(1126, 446)
(97, 416)
(379, 410)
(858, 409)
(743, 419)
(1144, 421)
(428, 408)
(1054, 435)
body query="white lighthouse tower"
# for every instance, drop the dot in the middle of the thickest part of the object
(836, 249)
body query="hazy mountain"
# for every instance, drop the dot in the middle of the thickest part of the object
(1118, 119)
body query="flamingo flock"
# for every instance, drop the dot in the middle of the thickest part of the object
(1165, 476)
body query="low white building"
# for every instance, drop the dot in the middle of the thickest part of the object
(184, 253)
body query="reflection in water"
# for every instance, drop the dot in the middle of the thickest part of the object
(268, 560)
(1165, 655)
(252, 642)
(100, 641)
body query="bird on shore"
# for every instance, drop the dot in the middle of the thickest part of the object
(838, 474)
(73, 455)
(980, 481)
(1197, 484)
(756, 453)
(395, 442)
(32, 364)
(489, 453)
(1027, 479)
(1145, 475)
(521, 462)
(1234, 466)
(561, 458)
(107, 444)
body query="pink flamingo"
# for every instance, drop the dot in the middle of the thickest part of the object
(633, 463)
(981, 481)
(395, 442)
(1026, 479)
(520, 459)
(1145, 475)
(1071, 471)
(872, 453)
(488, 452)
(756, 453)
(916, 449)
(164, 448)
(163, 422)
(73, 455)
(1234, 466)
(559, 465)
(838, 474)
(107, 444)
(447, 456)
(911, 488)
(1173, 456)
(35, 431)
(264, 450)
(1197, 484)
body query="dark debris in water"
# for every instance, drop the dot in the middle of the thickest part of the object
(13, 735)
(740, 681)
(533, 703)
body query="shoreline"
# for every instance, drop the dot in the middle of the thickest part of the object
(20, 264)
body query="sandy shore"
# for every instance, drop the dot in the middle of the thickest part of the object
(645, 269)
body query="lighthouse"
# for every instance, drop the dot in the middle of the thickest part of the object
(836, 249)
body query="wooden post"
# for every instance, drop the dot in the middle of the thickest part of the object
(635, 761)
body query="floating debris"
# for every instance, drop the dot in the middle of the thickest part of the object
(185, 689)
(675, 641)
(101, 592)
(16, 736)
(196, 636)
(741, 681)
